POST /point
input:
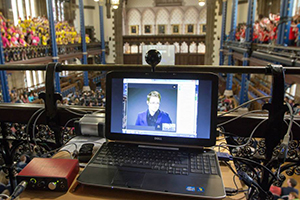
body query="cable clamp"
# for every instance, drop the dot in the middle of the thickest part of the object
(55, 58)
(84, 53)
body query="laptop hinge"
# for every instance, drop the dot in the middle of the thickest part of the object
(158, 147)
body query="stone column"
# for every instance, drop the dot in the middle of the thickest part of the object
(210, 24)
(118, 34)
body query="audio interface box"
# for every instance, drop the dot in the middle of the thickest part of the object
(49, 174)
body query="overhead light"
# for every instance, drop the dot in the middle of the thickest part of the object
(96, 0)
(115, 4)
(201, 3)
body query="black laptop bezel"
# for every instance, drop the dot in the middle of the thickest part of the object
(164, 140)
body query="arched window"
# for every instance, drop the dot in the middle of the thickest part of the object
(176, 21)
(127, 48)
(134, 48)
(134, 22)
(162, 21)
(201, 47)
(193, 48)
(184, 48)
(148, 22)
(177, 47)
(191, 21)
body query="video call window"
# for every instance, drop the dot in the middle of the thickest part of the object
(160, 107)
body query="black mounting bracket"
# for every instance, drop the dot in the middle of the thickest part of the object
(50, 98)
(276, 108)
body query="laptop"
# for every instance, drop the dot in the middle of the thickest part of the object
(158, 127)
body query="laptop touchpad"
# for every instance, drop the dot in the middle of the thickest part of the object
(128, 178)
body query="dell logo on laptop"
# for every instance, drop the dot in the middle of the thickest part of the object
(157, 138)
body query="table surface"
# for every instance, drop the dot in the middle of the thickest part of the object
(90, 192)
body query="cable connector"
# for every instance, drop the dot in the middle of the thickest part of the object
(224, 156)
(18, 190)
(286, 139)
(246, 178)
(284, 147)
(230, 191)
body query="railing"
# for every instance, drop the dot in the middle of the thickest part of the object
(69, 89)
(97, 79)
(31, 52)
(37, 87)
(288, 56)
(24, 53)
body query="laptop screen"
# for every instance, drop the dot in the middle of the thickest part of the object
(161, 106)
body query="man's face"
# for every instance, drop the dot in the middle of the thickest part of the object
(289, 183)
(153, 104)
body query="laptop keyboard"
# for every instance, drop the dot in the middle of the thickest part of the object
(172, 162)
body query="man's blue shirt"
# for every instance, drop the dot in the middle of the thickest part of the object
(162, 117)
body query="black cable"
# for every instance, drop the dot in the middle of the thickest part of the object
(233, 178)
(252, 169)
(225, 147)
(31, 118)
(256, 163)
(230, 167)
(225, 113)
(228, 133)
(29, 122)
(74, 112)
(287, 166)
(57, 149)
(34, 124)
(250, 137)
(240, 116)
(65, 126)
(70, 121)
(251, 192)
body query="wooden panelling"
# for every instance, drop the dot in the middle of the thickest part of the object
(133, 58)
(180, 59)
(171, 39)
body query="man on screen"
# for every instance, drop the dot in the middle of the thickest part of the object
(153, 116)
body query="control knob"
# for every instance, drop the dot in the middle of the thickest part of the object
(52, 185)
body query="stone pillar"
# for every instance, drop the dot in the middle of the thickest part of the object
(210, 24)
(119, 59)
